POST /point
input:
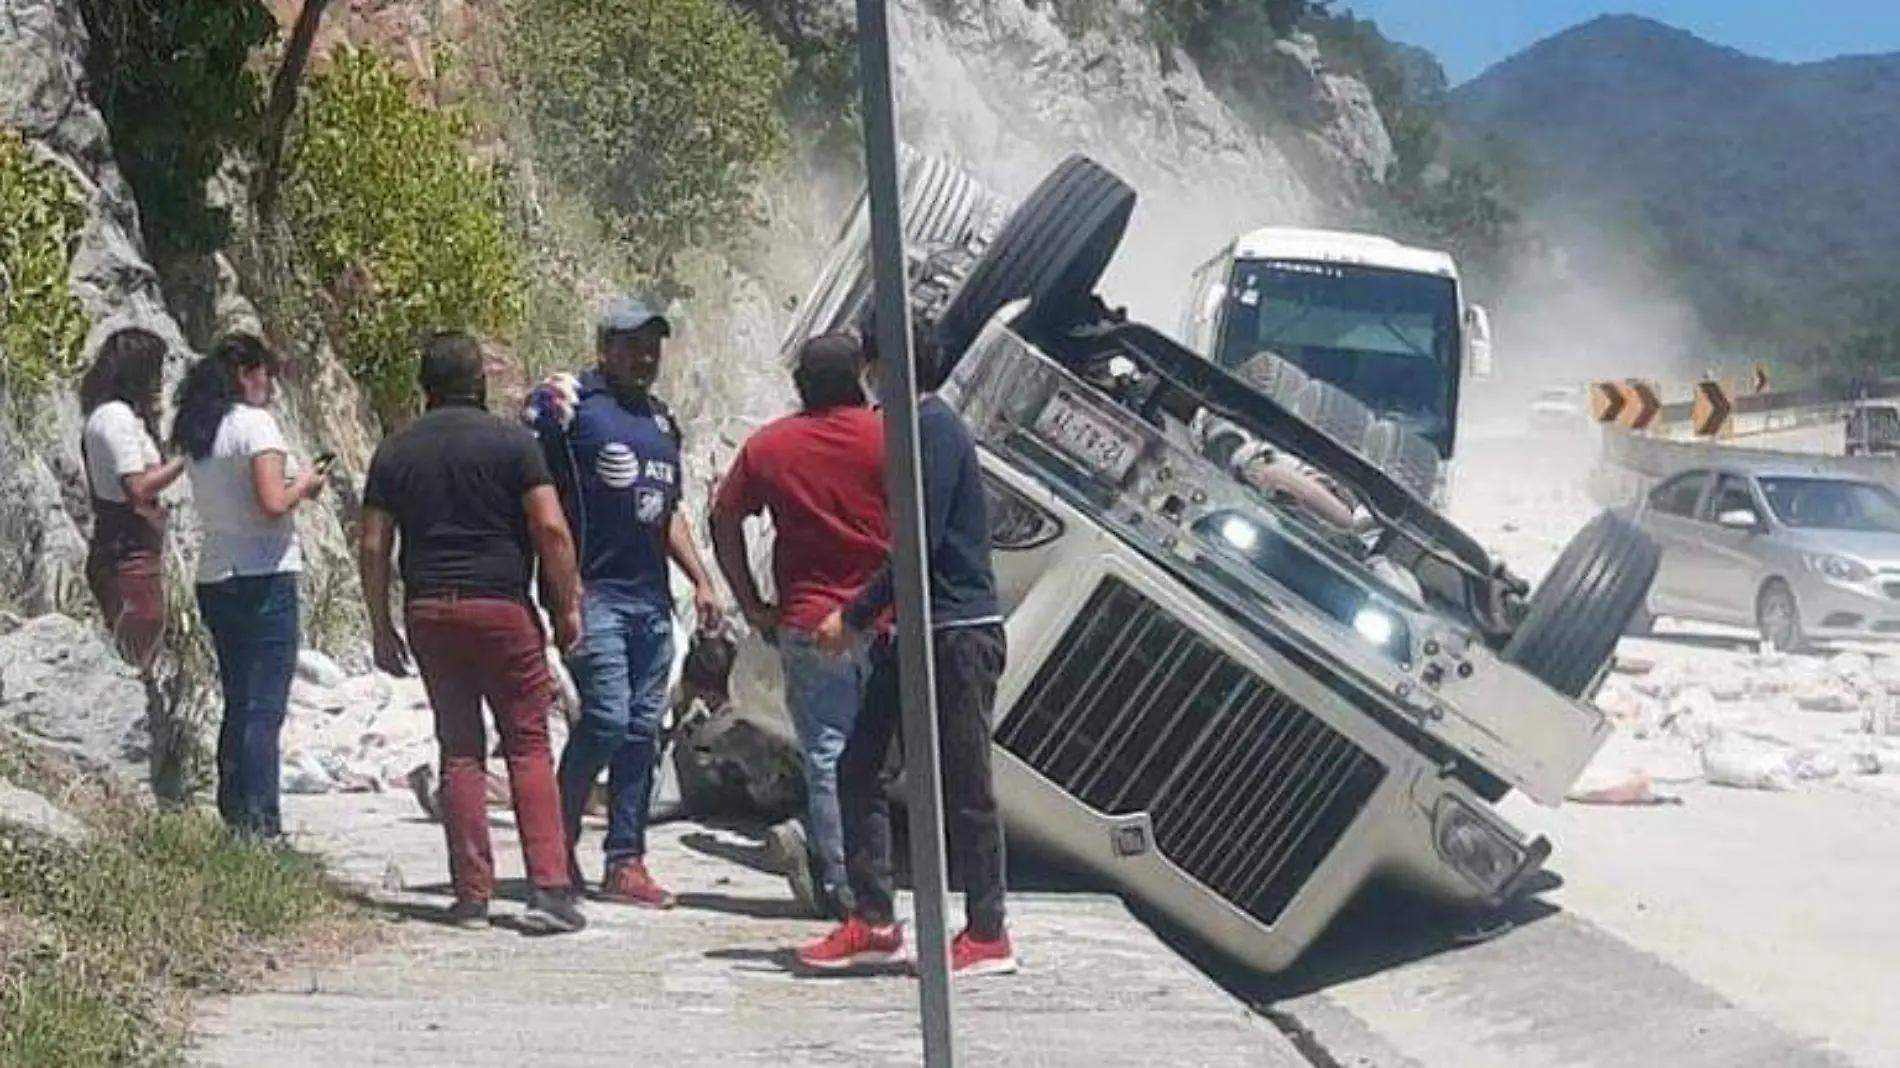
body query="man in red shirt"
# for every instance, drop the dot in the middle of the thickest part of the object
(820, 472)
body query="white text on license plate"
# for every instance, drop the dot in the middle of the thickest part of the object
(1065, 423)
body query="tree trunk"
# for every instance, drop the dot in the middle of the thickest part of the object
(283, 104)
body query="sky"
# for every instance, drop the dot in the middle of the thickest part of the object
(1469, 35)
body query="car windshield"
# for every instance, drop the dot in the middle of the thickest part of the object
(1833, 504)
(1389, 338)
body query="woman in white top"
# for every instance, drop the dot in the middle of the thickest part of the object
(245, 485)
(125, 565)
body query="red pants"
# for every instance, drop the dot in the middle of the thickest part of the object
(468, 651)
(130, 590)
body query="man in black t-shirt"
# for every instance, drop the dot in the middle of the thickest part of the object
(472, 498)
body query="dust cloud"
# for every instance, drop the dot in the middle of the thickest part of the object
(1586, 304)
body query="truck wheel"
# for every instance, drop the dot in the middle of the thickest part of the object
(1584, 605)
(942, 206)
(1335, 412)
(1274, 378)
(1406, 457)
(1052, 250)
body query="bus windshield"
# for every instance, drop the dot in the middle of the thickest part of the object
(1389, 338)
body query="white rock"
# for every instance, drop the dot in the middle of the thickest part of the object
(309, 695)
(23, 808)
(1746, 764)
(1813, 764)
(315, 667)
(1834, 700)
(303, 773)
(365, 693)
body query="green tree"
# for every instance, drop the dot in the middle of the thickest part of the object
(175, 86)
(820, 94)
(664, 113)
(388, 211)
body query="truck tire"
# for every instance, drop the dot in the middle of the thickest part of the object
(1052, 250)
(1584, 605)
(1336, 412)
(1279, 380)
(1405, 456)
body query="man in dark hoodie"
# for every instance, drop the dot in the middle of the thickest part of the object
(615, 453)
(970, 652)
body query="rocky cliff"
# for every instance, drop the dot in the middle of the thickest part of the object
(997, 83)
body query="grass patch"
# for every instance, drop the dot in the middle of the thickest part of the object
(103, 944)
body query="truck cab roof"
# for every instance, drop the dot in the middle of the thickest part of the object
(1341, 246)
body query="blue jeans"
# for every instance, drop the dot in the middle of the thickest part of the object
(621, 671)
(822, 694)
(253, 625)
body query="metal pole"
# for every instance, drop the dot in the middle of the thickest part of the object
(905, 478)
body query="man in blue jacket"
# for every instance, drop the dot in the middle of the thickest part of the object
(970, 652)
(615, 453)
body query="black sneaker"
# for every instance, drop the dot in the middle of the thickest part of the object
(469, 914)
(557, 911)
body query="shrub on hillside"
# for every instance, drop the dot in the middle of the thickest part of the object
(176, 89)
(42, 327)
(663, 113)
(387, 209)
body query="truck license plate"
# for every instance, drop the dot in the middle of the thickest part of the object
(1067, 423)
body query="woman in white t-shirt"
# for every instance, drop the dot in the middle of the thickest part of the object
(125, 565)
(245, 485)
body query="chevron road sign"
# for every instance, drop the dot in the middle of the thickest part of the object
(1606, 401)
(1631, 403)
(1711, 410)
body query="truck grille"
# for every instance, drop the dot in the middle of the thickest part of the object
(1134, 712)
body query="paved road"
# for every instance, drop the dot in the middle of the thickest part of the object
(704, 985)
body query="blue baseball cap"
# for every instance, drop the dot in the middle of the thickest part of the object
(624, 315)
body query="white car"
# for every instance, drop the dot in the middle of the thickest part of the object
(1558, 407)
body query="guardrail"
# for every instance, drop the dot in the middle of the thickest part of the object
(1629, 462)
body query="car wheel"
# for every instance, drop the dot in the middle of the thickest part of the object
(1407, 457)
(1778, 618)
(1585, 603)
(1053, 249)
(1642, 624)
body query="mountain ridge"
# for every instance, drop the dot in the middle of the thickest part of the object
(1766, 180)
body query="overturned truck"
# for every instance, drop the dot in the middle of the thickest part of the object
(1233, 708)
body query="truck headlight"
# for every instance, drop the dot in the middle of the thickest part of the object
(1375, 625)
(1239, 533)
(1838, 567)
(1474, 847)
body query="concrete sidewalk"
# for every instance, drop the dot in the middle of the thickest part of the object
(704, 983)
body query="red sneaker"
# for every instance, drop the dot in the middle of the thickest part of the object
(970, 955)
(855, 944)
(628, 883)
